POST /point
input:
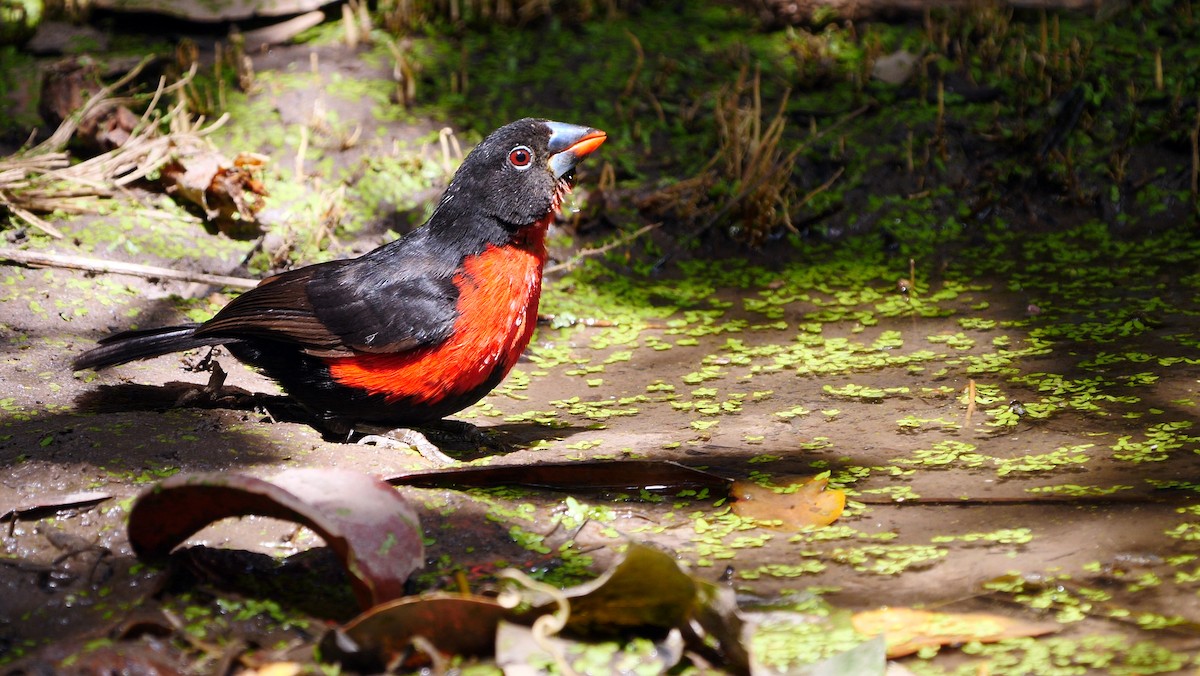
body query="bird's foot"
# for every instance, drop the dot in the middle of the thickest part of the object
(468, 433)
(410, 439)
(214, 394)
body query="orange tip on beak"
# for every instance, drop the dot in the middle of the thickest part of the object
(587, 144)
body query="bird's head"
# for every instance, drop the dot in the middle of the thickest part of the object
(519, 174)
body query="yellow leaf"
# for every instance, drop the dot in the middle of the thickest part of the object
(805, 502)
(907, 630)
(276, 669)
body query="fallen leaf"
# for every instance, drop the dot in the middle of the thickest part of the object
(653, 475)
(803, 503)
(908, 630)
(367, 523)
(225, 190)
(645, 594)
(454, 623)
(646, 589)
(44, 504)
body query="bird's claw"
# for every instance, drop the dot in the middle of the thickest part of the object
(411, 439)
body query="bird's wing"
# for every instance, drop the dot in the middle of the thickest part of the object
(342, 307)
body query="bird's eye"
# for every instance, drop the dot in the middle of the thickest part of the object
(520, 157)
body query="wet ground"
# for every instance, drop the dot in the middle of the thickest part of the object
(1067, 487)
(1013, 419)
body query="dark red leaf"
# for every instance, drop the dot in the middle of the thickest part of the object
(569, 476)
(45, 504)
(454, 623)
(369, 525)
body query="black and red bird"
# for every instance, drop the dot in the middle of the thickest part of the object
(421, 327)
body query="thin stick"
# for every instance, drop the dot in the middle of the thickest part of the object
(971, 396)
(1049, 499)
(637, 65)
(574, 260)
(55, 260)
(1196, 153)
(301, 151)
(835, 125)
(821, 188)
(30, 218)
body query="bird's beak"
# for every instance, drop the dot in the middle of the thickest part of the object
(570, 143)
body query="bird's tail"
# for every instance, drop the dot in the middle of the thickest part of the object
(132, 345)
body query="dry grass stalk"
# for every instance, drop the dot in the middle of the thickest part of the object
(579, 257)
(98, 265)
(687, 200)
(403, 72)
(752, 166)
(41, 179)
(753, 158)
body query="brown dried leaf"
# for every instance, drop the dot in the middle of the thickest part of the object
(366, 522)
(569, 476)
(907, 630)
(44, 504)
(455, 624)
(225, 190)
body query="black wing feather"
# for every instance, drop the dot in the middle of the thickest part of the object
(390, 300)
(379, 306)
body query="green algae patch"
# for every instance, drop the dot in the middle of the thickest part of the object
(888, 559)
(1058, 656)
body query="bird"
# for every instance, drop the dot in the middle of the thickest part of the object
(423, 326)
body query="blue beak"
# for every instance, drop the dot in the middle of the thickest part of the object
(570, 143)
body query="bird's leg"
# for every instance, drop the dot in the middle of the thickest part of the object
(214, 394)
(462, 430)
(211, 392)
(409, 438)
(442, 430)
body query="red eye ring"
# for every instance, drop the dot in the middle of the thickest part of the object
(520, 157)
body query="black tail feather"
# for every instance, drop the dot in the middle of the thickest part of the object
(133, 345)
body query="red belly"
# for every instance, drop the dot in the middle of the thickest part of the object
(497, 311)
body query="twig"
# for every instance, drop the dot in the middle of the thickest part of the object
(1048, 499)
(817, 191)
(1196, 153)
(48, 259)
(836, 124)
(574, 260)
(30, 218)
(971, 396)
(637, 66)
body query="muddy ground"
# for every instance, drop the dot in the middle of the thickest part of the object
(1014, 425)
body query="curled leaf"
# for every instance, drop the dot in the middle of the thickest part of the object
(225, 190)
(453, 623)
(371, 527)
(647, 589)
(569, 476)
(47, 504)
